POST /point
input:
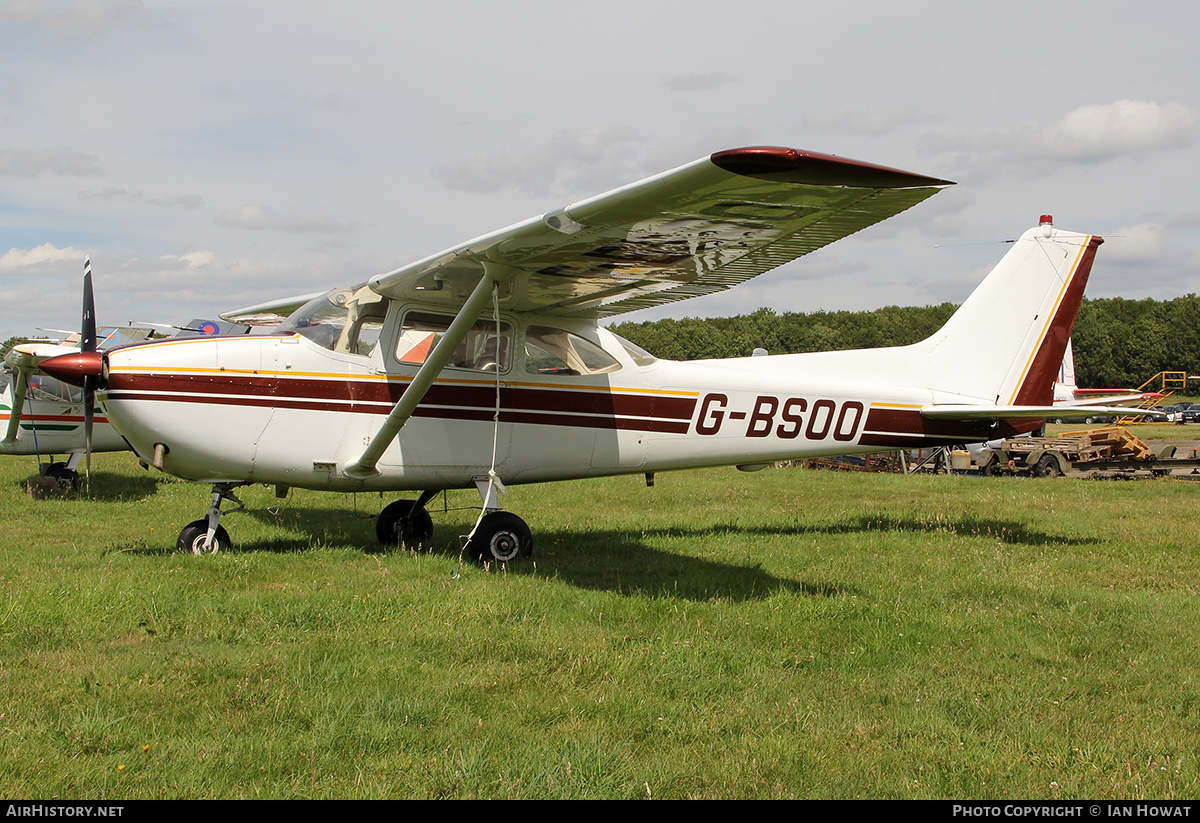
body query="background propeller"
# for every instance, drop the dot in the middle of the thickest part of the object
(87, 343)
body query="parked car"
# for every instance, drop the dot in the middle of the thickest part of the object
(1174, 413)
(1090, 420)
(1191, 414)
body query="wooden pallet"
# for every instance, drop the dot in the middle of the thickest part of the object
(1111, 443)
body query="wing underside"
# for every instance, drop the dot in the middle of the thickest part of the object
(699, 229)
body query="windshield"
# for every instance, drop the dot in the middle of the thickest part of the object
(342, 320)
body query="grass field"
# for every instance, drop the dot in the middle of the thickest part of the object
(783, 634)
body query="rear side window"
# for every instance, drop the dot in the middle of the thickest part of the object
(554, 351)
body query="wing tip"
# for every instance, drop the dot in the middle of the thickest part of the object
(814, 168)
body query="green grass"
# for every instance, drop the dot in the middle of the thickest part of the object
(788, 633)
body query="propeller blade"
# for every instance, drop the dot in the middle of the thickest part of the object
(87, 343)
(89, 413)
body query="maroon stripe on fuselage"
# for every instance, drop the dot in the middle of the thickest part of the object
(547, 406)
(907, 428)
(550, 419)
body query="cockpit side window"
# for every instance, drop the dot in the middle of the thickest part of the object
(555, 351)
(482, 350)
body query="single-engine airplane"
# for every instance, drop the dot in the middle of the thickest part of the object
(486, 365)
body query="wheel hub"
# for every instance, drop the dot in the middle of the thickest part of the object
(505, 545)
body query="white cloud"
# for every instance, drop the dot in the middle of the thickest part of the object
(17, 259)
(565, 163)
(188, 202)
(265, 218)
(871, 122)
(190, 261)
(34, 162)
(76, 18)
(1126, 127)
(1090, 134)
(700, 81)
(1145, 244)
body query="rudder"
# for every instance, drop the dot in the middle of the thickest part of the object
(1006, 342)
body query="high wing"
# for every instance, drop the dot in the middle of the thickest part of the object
(270, 312)
(698, 229)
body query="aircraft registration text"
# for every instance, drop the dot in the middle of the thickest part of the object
(785, 418)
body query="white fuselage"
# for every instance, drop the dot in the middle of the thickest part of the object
(284, 410)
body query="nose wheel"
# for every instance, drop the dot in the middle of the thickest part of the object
(207, 535)
(194, 539)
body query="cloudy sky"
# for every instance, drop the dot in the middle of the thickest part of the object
(210, 155)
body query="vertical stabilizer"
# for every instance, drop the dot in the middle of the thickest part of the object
(1005, 344)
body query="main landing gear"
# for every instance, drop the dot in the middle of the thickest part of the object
(405, 522)
(501, 537)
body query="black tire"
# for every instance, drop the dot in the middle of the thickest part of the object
(502, 537)
(1048, 467)
(403, 523)
(191, 539)
(59, 471)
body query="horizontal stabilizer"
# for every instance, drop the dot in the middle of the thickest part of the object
(962, 412)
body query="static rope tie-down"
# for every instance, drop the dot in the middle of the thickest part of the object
(494, 483)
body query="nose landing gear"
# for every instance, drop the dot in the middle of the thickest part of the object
(207, 535)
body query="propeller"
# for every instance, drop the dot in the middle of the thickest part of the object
(87, 343)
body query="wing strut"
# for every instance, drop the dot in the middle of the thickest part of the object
(20, 384)
(23, 361)
(363, 466)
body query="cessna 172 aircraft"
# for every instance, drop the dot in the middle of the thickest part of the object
(486, 365)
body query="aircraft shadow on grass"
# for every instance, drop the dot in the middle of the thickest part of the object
(623, 561)
(1006, 531)
(106, 487)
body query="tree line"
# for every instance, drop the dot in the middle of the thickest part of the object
(1118, 342)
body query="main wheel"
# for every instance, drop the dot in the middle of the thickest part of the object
(59, 471)
(403, 522)
(1048, 467)
(191, 539)
(501, 537)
